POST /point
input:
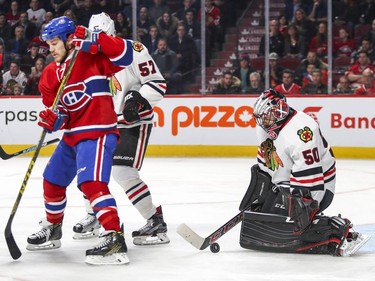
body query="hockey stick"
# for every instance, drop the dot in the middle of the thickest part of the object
(6, 156)
(202, 243)
(11, 242)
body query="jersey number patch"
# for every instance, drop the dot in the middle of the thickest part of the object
(147, 68)
(311, 156)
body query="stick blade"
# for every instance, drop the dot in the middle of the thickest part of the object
(12, 245)
(3, 154)
(190, 236)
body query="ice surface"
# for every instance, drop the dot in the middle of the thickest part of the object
(203, 193)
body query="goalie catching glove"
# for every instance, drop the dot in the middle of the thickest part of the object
(134, 105)
(86, 40)
(52, 120)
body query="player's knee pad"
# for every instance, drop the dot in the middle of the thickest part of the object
(256, 193)
(125, 176)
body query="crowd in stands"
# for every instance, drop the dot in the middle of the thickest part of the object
(171, 31)
(301, 32)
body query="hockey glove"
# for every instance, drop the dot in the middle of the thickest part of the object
(52, 120)
(134, 104)
(302, 208)
(86, 40)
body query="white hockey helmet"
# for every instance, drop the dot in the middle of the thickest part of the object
(102, 22)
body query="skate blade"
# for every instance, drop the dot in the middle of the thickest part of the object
(115, 259)
(160, 238)
(363, 239)
(49, 245)
(86, 235)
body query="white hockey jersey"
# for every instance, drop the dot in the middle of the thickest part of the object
(299, 156)
(142, 75)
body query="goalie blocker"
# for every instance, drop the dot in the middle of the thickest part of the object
(265, 231)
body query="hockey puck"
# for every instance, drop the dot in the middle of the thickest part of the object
(215, 248)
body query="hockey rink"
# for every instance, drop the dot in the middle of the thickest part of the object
(204, 193)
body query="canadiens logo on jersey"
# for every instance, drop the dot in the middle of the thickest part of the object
(270, 156)
(305, 134)
(137, 46)
(75, 96)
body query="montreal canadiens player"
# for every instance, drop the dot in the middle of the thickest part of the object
(86, 112)
(294, 178)
(137, 89)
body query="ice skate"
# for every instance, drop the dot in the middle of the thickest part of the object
(111, 250)
(352, 243)
(86, 228)
(45, 239)
(154, 232)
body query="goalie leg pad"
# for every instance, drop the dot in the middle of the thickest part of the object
(260, 185)
(275, 233)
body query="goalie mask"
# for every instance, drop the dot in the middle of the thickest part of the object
(271, 111)
(102, 22)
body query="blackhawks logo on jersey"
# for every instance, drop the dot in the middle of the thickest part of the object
(114, 85)
(272, 159)
(137, 46)
(305, 134)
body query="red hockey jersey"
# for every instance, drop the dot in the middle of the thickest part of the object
(86, 98)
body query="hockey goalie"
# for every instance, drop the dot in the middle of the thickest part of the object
(292, 184)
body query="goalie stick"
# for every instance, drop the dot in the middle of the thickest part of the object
(11, 242)
(202, 243)
(6, 156)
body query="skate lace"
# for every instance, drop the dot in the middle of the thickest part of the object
(87, 220)
(106, 240)
(42, 233)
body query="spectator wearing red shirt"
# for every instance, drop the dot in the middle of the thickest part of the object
(288, 87)
(355, 71)
(367, 87)
(319, 43)
(13, 15)
(343, 46)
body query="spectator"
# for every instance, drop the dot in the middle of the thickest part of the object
(295, 46)
(187, 6)
(28, 61)
(367, 8)
(256, 84)
(168, 64)
(228, 84)
(71, 15)
(343, 87)
(29, 28)
(276, 70)
(5, 28)
(356, 70)
(276, 40)
(43, 46)
(167, 25)
(316, 86)
(292, 6)
(35, 13)
(47, 18)
(371, 33)
(351, 13)
(84, 11)
(306, 27)
(319, 43)
(10, 87)
(59, 6)
(13, 15)
(16, 74)
(31, 87)
(288, 87)
(122, 26)
(366, 46)
(243, 72)
(343, 46)
(213, 27)
(283, 24)
(311, 58)
(186, 52)
(18, 45)
(144, 23)
(152, 39)
(367, 87)
(307, 76)
(193, 28)
(319, 11)
(158, 9)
